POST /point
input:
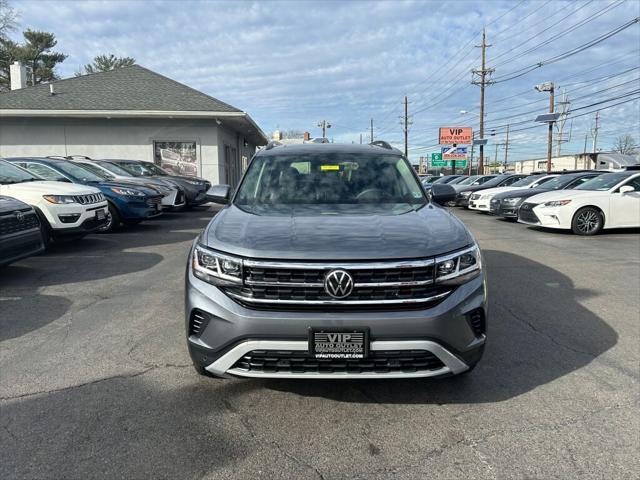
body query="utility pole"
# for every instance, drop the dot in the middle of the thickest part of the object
(360, 139)
(471, 158)
(506, 149)
(495, 161)
(324, 125)
(550, 131)
(595, 132)
(563, 118)
(371, 136)
(480, 78)
(406, 127)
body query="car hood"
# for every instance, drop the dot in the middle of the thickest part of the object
(46, 187)
(562, 195)
(8, 204)
(496, 190)
(306, 234)
(520, 192)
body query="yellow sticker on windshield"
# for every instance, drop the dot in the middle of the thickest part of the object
(325, 168)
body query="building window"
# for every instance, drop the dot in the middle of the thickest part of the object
(178, 158)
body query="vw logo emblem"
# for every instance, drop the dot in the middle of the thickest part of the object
(338, 284)
(19, 216)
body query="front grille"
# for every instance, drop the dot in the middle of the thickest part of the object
(300, 286)
(527, 214)
(154, 201)
(90, 198)
(379, 361)
(12, 224)
(477, 321)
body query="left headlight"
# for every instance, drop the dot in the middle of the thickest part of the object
(465, 194)
(556, 203)
(216, 268)
(127, 191)
(459, 267)
(195, 182)
(512, 200)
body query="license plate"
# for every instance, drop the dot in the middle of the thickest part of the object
(342, 343)
(100, 215)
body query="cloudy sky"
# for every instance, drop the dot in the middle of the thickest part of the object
(291, 64)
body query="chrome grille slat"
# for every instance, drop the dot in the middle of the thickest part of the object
(89, 198)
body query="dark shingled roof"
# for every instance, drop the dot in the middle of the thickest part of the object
(127, 88)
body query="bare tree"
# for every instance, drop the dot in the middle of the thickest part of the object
(8, 19)
(625, 144)
(292, 133)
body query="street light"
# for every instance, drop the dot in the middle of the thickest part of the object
(548, 87)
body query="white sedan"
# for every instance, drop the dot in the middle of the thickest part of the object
(611, 200)
(481, 200)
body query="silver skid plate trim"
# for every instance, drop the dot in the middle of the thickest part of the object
(223, 365)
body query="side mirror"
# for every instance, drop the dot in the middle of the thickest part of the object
(626, 189)
(442, 193)
(219, 194)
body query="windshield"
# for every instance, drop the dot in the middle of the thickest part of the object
(494, 181)
(557, 183)
(603, 182)
(115, 169)
(523, 182)
(153, 169)
(142, 169)
(12, 174)
(469, 180)
(78, 172)
(97, 171)
(330, 179)
(445, 179)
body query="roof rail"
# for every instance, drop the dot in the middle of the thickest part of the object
(81, 157)
(57, 157)
(271, 144)
(382, 144)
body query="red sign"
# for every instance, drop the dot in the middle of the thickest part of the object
(457, 135)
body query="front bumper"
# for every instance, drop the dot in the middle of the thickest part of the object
(20, 245)
(89, 225)
(481, 204)
(233, 330)
(462, 201)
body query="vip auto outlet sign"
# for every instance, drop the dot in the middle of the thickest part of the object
(455, 135)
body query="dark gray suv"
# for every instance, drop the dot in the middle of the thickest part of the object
(330, 261)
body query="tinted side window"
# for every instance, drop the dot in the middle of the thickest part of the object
(578, 181)
(635, 183)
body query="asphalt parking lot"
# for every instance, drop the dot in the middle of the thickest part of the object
(96, 382)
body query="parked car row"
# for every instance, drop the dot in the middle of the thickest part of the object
(583, 201)
(43, 199)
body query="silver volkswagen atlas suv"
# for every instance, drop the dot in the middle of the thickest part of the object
(330, 261)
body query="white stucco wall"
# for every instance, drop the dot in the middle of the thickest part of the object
(110, 138)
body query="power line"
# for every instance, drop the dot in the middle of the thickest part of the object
(569, 53)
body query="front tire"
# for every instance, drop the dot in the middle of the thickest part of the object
(113, 220)
(587, 221)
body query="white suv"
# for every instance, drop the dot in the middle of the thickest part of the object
(65, 209)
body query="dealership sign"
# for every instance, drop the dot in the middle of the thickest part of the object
(451, 135)
(454, 153)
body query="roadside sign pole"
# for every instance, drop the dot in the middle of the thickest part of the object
(453, 162)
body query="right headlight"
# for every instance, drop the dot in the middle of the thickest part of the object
(216, 268)
(465, 194)
(512, 200)
(459, 267)
(59, 198)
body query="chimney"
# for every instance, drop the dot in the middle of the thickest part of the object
(306, 136)
(18, 75)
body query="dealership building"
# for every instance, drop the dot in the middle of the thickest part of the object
(128, 113)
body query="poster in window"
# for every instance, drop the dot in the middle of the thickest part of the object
(177, 158)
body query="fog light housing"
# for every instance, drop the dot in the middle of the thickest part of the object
(69, 218)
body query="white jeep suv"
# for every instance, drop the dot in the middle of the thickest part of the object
(65, 209)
